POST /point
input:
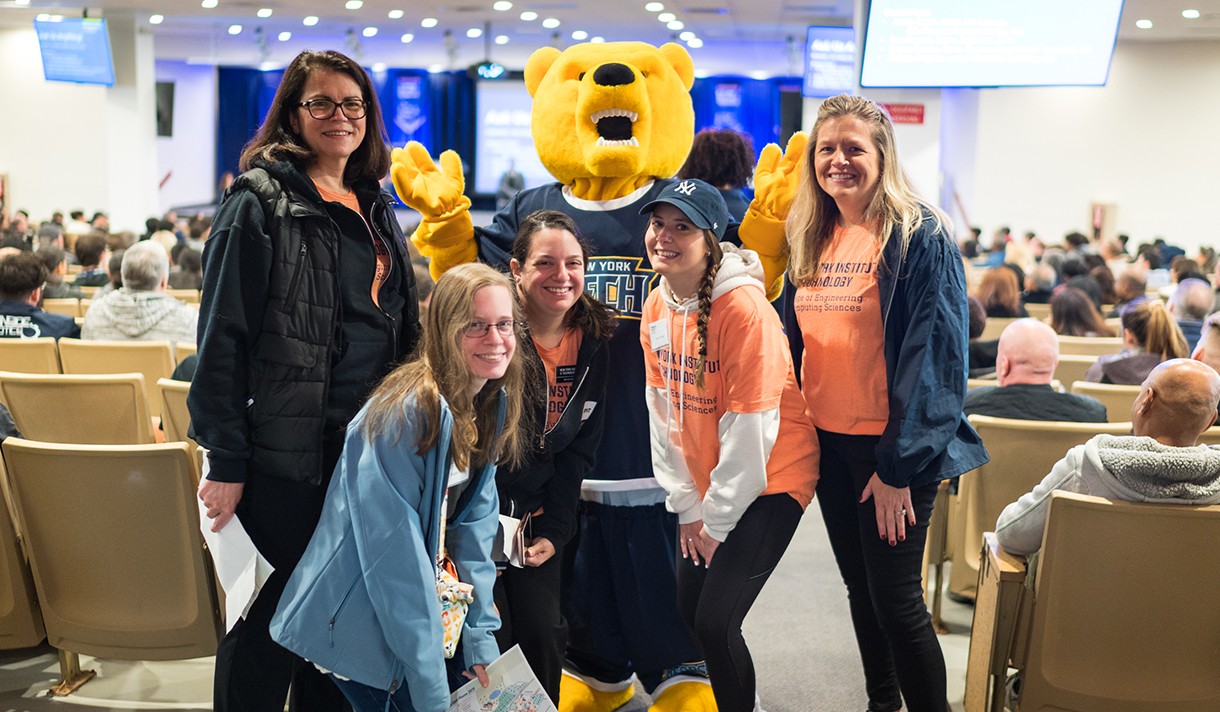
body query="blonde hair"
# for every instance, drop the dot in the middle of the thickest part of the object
(894, 205)
(439, 370)
(1154, 328)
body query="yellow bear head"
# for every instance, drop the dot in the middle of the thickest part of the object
(611, 110)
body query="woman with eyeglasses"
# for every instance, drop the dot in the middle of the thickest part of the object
(308, 301)
(567, 351)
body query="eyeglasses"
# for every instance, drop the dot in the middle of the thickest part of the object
(478, 329)
(323, 109)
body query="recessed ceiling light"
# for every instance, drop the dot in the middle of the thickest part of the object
(284, 36)
(428, 22)
(235, 29)
(354, 4)
(686, 36)
(676, 25)
(760, 75)
(579, 35)
(1144, 24)
(550, 23)
(209, 4)
(369, 32)
(310, 20)
(667, 17)
(407, 38)
(597, 39)
(395, 14)
(22, 2)
(264, 12)
(436, 68)
(694, 43)
(156, 19)
(654, 7)
(1190, 14)
(474, 32)
(501, 39)
(529, 16)
(502, 6)
(379, 67)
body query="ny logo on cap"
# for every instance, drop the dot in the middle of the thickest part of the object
(685, 187)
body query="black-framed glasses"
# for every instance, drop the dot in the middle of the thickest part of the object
(479, 329)
(323, 109)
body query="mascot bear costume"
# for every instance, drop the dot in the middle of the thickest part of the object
(612, 123)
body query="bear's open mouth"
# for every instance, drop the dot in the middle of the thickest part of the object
(614, 127)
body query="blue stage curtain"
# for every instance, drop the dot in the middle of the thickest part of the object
(244, 97)
(749, 106)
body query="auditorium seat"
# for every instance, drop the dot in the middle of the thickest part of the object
(20, 617)
(1090, 345)
(67, 307)
(93, 408)
(1072, 368)
(994, 326)
(154, 359)
(1038, 311)
(1118, 398)
(175, 418)
(29, 355)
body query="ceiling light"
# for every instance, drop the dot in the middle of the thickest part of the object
(1190, 14)
(501, 39)
(580, 35)
(502, 6)
(156, 19)
(354, 4)
(310, 20)
(686, 36)
(235, 29)
(284, 36)
(597, 39)
(694, 43)
(654, 7)
(407, 38)
(379, 67)
(667, 17)
(369, 32)
(22, 2)
(550, 23)
(529, 16)
(428, 22)
(209, 4)
(264, 12)
(395, 14)
(760, 75)
(474, 32)
(435, 68)
(676, 25)
(1144, 24)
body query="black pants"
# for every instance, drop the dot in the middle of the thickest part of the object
(714, 600)
(528, 601)
(252, 671)
(894, 631)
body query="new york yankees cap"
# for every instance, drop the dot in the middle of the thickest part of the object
(699, 202)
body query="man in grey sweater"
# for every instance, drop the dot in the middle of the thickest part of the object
(1161, 463)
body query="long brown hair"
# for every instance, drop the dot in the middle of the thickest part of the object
(1155, 330)
(277, 141)
(439, 371)
(593, 318)
(895, 206)
(1074, 314)
(999, 292)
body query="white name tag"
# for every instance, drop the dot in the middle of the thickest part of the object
(588, 410)
(658, 334)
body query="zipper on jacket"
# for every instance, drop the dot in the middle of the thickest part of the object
(330, 626)
(290, 299)
(386, 242)
(562, 413)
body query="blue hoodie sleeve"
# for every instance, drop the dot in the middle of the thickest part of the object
(469, 540)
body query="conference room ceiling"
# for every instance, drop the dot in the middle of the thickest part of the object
(738, 36)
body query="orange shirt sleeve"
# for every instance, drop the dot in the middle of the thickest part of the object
(752, 352)
(653, 310)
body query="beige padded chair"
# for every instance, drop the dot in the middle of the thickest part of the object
(175, 418)
(20, 617)
(993, 328)
(1022, 453)
(1090, 345)
(113, 538)
(182, 349)
(186, 296)
(89, 292)
(1122, 619)
(1211, 436)
(29, 355)
(154, 359)
(1073, 367)
(1038, 311)
(67, 307)
(99, 409)
(1117, 398)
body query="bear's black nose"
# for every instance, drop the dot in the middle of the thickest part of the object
(613, 74)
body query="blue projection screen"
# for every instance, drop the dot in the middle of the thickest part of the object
(989, 43)
(75, 50)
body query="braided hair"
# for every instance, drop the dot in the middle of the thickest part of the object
(714, 254)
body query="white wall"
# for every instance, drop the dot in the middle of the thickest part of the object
(189, 156)
(1147, 142)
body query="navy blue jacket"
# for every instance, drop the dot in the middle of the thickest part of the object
(923, 308)
(19, 320)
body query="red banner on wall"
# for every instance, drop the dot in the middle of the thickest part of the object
(905, 113)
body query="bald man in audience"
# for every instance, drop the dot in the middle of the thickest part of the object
(1189, 305)
(1208, 349)
(1025, 365)
(1162, 462)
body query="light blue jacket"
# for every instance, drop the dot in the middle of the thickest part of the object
(362, 601)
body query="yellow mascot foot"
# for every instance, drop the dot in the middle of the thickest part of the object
(577, 696)
(688, 696)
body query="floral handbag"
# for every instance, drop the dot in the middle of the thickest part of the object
(454, 596)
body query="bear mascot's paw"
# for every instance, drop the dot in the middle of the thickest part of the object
(776, 180)
(576, 696)
(445, 234)
(687, 696)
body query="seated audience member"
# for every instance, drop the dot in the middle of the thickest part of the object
(1040, 285)
(21, 278)
(1025, 366)
(982, 353)
(77, 225)
(1150, 336)
(91, 252)
(1129, 288)
(1161, 462)
(189, 273)
(141, 310)
(1105, 279)
(1089, 286)
(1189, 305)
(1208, 349)
(1074, 314)
(57, 268)
(114, 268)
(100, 222)
(1112, 251)
(1000, 294)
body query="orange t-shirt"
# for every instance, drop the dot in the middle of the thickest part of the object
(843, 372)
(560, 365)
(749, 370)
(379, 247)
